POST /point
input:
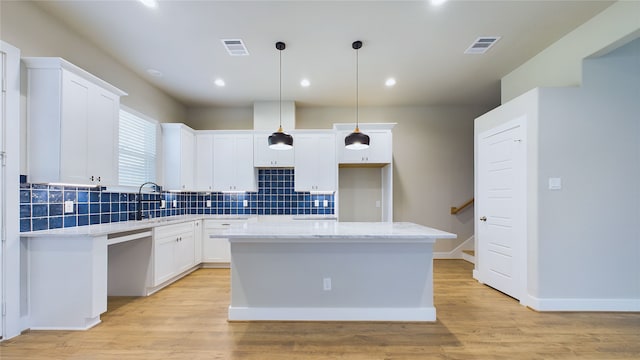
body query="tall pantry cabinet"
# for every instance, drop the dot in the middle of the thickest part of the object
(72, 124)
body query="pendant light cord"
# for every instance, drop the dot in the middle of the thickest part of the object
(357, 85)
(280, 90)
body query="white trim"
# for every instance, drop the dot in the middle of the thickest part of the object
(88, 325)
(456, 253)
(558, 304)
(332, 314)
(14, 321)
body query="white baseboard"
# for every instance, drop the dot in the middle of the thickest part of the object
(421, 314)
(621, 305)
(457, 252)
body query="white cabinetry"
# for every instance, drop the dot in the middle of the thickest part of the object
(178, 149)
(380, 150)
(264, 156)
(216, 251)
(197, 235)
(204, 162)
(315, 161)
(173, 251)
(72, 124)
(233, 162)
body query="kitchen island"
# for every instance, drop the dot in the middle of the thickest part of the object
(332, 271)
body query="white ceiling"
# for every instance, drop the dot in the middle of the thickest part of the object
(420, 45)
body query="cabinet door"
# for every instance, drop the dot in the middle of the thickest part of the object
(103, 137)
(74, 140)
(379, 151)
(223, 163)
(215, 250)
(245, 179)
(163, 263)
(184, 256)
(187, 145)
(233, 163)
(315, 162)
(204, 162)
(197, 241)
(264, 156)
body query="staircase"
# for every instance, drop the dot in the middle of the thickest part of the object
(469, 255)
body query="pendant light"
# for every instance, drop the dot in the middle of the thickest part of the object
(356, 140)
(280, 140)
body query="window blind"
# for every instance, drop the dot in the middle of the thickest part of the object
(137, 146)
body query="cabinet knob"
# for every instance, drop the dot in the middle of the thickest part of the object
(484, 218)
(99, 178)
(91, 178)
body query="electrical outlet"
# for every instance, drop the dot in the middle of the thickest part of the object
(326, 284)
(325, 203)
(175, 203)
(316, 203)
(208, 203)
(245, 203)
(163, 204)
(68, 206)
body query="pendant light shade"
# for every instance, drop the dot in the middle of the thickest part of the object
(356, 140)
(280, 140)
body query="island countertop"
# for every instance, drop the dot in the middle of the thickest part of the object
(365, 231)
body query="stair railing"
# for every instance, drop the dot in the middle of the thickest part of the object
(455, 210)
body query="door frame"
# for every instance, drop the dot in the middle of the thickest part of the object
(520, 199)
(13, 320)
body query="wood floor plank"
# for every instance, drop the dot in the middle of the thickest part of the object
(188, 320)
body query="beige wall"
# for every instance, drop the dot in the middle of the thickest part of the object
(25, 26)
(561, 63)
(220, 118)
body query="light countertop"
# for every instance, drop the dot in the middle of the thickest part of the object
(366, 231)
(132, 225)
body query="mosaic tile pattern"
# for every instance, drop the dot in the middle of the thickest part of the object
(42, 206)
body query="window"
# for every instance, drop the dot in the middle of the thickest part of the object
(137, 148)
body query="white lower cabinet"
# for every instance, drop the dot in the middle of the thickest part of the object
(173, 251)
(216, 252)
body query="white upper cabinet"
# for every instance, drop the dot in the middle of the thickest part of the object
(204, 162)
(264, 156)
(315, 161)
(233, 162)
(178, 147)
(380, 149)
(72, 121)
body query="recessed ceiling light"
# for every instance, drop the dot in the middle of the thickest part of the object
(305, 83)
(390, 82)
(438, 2)
(219, 82)
(150, 3)
(154, 72)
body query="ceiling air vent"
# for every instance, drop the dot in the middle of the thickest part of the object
(482, 44)
(235, 47)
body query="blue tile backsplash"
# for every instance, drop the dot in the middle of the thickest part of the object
(42, 206)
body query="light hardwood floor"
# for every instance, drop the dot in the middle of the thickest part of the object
(188, 321)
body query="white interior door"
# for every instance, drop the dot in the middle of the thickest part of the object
(501, 207)
(2, 182)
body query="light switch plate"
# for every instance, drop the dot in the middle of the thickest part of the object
(163, 204)
(325, 203)
(245, 203)
(175, 203)
(316, 203)
(68, 206)
(555, 183)
(208, 203)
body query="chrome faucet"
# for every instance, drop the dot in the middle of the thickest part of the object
(157, 188)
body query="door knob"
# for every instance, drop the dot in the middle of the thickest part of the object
(484, 218)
